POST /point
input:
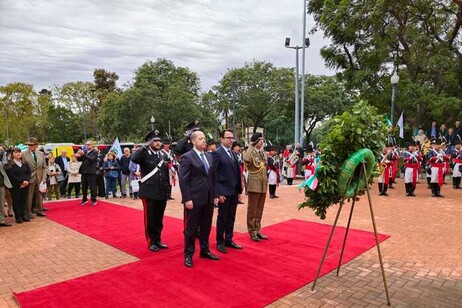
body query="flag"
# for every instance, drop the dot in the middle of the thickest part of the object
(311, 183)
(388, 121)
(400, 123)
(116, 148)
(22, 147)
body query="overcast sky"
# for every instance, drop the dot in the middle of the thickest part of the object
(46, 42)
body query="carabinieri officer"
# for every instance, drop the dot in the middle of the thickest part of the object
(153, 188)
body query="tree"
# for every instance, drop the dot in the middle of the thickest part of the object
(20, 109)
(260, 87)
(325, 97)
(105, 83)
(159, 89)
(421, 39)
(81, 99)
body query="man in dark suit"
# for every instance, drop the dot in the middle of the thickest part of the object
(88, 171)
(199, 194)
(63, 163)
(153, 189)
(229, 189)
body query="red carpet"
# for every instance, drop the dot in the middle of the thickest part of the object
(253, 277)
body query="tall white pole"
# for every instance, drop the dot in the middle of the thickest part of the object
(302, 103)
(297, 105)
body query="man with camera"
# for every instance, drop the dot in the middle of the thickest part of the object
(88, 170)
(153, 190)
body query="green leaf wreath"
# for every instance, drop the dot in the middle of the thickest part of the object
(361, 127)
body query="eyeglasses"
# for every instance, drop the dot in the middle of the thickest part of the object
(229, 138)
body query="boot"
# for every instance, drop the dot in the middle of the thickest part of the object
(458, 182)
(272, 189)
(454, 183)
(428, 182)
(380, 188)
(438, 191)
(412, 188)
(390, 183)
(385, 188)
(434, 189)
(408, 189)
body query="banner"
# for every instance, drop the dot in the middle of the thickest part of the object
(116, 148)
(400, 123)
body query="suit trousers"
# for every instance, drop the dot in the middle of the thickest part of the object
(19, 201)
(2, 203)
(88, 181)
(100, 188)
(33, 190)
(125, 178)
(153, 219)
(255, 212)
(199, 217)
(226, 218)
(63, 185)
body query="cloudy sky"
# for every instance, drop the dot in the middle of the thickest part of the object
(46, 42)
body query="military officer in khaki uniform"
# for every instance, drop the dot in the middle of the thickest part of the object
(37, 164)
(255, 160)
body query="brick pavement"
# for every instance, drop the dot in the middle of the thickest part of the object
(422, 258)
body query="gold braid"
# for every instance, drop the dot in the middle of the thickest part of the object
(258, 163)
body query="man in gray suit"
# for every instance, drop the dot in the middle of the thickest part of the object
(37, 164)
(4, 183)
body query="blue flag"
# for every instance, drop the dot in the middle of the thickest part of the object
(116, 148)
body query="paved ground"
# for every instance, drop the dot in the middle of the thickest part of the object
(423, 257)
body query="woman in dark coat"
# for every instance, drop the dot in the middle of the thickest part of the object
(19, 174)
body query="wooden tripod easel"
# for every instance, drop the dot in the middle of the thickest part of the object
(362, 173)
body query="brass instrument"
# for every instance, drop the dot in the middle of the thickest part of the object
(384, 161)
(292, 159)
(426, 147)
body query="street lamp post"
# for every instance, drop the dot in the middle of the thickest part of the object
(234, 108)
(302, 103)
(394, 82)
(298, 126)
(153, 121)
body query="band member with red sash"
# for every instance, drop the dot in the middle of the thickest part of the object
(412, 159)
(309, 161)
(385, 165)
(153, 189)
(273, 173)
(457, 165)
(437, 158)
(394, 166)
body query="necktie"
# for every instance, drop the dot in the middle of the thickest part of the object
(35, 157)
(230, 155)
(205, 163)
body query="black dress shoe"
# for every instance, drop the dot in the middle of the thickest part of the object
(254, 238)
(45, 209)
(26, 219)
(209, 255)
(262, 237)
(154, 248)
(4, 224)
(40, 214)
(276, 196)
(188, 262)
(221, 248)
(19, 221)
(161, 245)
(233, 245)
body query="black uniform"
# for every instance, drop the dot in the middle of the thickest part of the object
(153, 192)
(88, 171)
